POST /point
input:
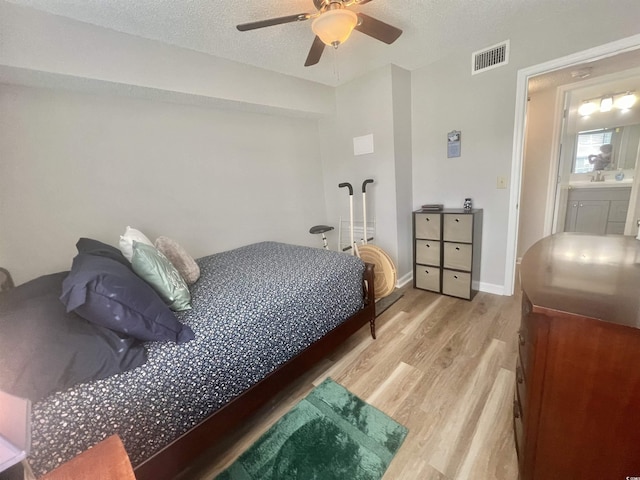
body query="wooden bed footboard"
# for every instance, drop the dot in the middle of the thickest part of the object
(178, 455)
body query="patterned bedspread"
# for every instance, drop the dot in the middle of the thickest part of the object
(253, 309)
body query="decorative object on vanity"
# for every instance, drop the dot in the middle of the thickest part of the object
(330, 433)
(446, 251)
(577, 389)
(468, 204)
(332, 25)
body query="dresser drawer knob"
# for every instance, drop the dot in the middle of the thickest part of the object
(455, 276)
(458, 249)
(457, 219)
(427, 219)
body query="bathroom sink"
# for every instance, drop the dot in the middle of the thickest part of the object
(626, 182)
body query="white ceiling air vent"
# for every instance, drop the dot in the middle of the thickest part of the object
(490, 57)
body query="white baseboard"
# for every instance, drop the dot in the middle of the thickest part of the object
(491, 288)
(402, 281)
(481, 286)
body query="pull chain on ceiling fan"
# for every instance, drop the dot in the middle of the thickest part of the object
(332, 25)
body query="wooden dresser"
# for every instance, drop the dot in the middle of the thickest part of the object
(577, 396)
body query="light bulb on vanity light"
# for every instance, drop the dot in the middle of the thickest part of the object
(606, 104)
(587, 108)
(626, 101)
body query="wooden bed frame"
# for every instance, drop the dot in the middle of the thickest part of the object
(178, 455)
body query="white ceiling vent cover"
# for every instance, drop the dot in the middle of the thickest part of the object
(491, 57)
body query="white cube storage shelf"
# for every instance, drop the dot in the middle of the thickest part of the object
(446, 251)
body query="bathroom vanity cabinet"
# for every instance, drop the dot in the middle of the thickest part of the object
(597, 210)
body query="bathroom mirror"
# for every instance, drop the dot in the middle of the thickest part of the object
(606, 148)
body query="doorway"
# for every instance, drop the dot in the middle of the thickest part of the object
(604, 52)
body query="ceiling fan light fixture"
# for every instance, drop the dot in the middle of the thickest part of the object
(334, 26)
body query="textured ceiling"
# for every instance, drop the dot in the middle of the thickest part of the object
(432, 29)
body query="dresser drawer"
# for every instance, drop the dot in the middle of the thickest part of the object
(427, 225)
(457, 255)
(428, 252)
(456, 284)
(457, 228)
(428, 278)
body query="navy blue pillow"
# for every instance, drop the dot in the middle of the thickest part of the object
(109, 294)
(44, 349)
(96, 247)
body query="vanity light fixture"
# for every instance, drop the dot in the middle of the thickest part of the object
(622, 100)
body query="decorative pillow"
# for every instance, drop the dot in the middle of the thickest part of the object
(95, 247)
(178, 256)
(155, 269)
(107, 293)
(44, 349)
(126, 241)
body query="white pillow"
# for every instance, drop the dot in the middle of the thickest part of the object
(126, 241)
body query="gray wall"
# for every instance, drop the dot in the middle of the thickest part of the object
(87, 165)
(446, 97)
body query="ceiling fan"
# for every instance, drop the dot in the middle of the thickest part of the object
(332, 24)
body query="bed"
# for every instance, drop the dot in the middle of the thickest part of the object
(261, 315)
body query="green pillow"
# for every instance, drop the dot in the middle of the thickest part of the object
(155, 269)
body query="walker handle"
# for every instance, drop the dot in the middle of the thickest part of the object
(364, 184)
(348, 185)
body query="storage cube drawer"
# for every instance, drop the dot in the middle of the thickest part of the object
(458, 256)
(428, 252)
(428, 278)
(427, 225)
(458, 228)
(456, 284)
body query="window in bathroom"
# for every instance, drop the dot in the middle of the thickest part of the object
(589, 143)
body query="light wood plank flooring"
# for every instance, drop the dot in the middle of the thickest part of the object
(441, 366)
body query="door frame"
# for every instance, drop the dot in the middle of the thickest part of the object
(592, 54)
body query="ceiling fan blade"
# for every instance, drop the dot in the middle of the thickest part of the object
(273, 21)
(315, 53)
(377, 29)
